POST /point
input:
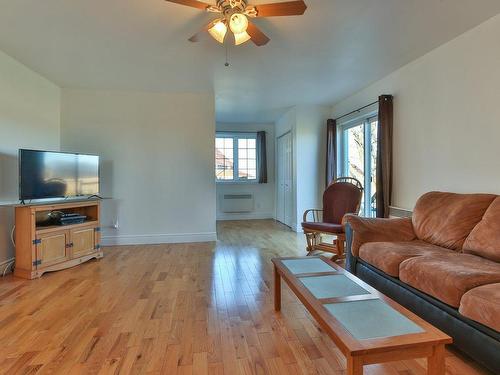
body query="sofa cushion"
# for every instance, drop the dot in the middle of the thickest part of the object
(446, 219)
(323, 227)
(448, 276)
(482, 304)
(484, 240)
(387, 256)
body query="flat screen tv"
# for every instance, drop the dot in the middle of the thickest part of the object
(49, 174)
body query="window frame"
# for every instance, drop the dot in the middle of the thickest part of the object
(236, 136)
(365, 119)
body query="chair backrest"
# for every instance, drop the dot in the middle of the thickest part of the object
(341, 197)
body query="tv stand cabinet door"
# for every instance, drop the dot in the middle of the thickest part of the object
(52, 248)
(83, 241)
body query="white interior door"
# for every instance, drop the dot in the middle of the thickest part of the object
(284, 204)
(280, 192)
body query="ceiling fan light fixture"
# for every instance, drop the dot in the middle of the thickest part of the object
(235, 15)
(241, 38)
(238, 23)
(218, 31)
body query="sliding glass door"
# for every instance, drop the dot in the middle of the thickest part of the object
(358, 158)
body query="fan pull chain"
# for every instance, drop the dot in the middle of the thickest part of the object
(227, 64)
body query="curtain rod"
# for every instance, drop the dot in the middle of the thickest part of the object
(356, 110)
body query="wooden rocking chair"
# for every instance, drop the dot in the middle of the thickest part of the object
(341, 197)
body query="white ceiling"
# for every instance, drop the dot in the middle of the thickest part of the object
(335, 49)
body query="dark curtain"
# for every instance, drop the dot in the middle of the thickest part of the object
(331, 151)
(261, 158)
(384, 155)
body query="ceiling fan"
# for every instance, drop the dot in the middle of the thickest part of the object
(235, 13)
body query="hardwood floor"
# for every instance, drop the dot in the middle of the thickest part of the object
(175, 309)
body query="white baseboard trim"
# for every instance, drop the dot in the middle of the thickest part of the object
(152, 239)
(245, 216)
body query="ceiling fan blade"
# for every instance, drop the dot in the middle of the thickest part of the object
(196, 37)
(258, 37)
(191, 3)
(289, 8)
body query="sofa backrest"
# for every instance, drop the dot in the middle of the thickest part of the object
(484, 240)
(446, 219)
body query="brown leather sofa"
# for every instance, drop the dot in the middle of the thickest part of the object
(443, 263)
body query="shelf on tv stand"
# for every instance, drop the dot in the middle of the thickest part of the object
(56, 228)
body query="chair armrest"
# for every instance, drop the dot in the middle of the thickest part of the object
(366, 230)
(314, 211)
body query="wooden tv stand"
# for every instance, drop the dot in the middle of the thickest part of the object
(42, 248)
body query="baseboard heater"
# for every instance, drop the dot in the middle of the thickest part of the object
(399, 212)
(237, 203)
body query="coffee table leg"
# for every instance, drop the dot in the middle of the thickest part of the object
(277, 290)
(354, 366)
(435, 363)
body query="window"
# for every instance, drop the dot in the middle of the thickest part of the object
(236, 157)
(358, 157)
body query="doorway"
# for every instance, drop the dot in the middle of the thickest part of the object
(358, 158)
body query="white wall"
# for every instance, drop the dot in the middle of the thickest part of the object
(157, 161)
(446, 117)
(307, 123)
(310, 157)
(263, 193)
(29, 118)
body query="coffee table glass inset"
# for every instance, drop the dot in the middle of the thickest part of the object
(372, 319)
(332, 286)
(309, 265)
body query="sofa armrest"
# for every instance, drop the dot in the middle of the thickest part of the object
(366, 230)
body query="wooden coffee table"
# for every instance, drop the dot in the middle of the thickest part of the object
(366, 326)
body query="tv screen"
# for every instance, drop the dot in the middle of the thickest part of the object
(48, 174)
